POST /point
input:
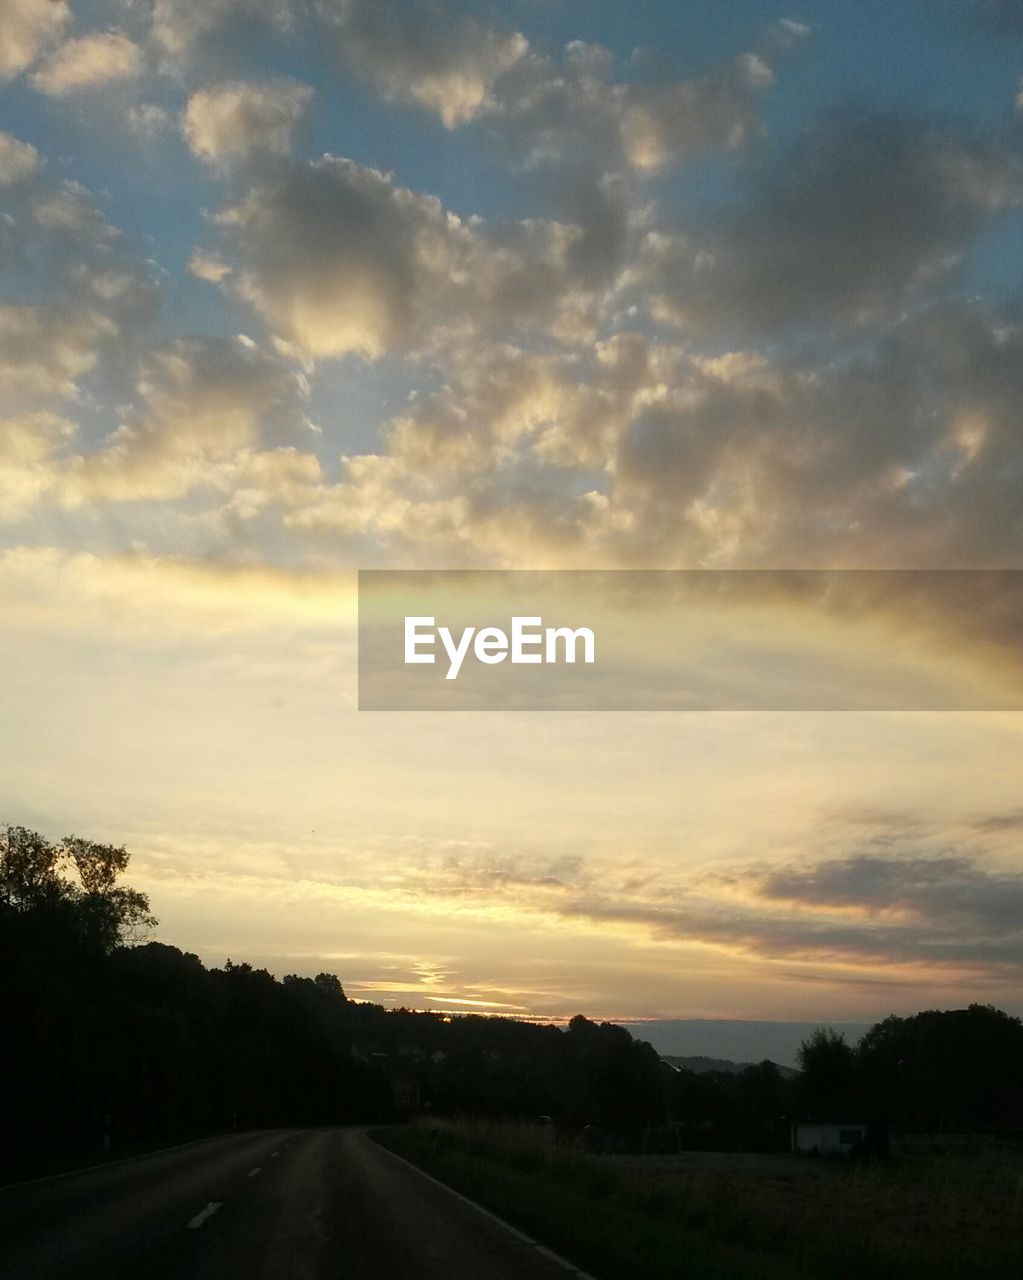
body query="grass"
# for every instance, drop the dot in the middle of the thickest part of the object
(701, 1217)
(574, 1204)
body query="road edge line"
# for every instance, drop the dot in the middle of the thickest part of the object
(139, 1155)
(521, 1236)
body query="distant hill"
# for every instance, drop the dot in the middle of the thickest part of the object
(735, 1040)
(701, 1065)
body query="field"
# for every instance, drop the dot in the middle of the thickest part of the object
(926, 1213)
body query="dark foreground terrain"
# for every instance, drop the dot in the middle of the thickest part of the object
(280, 1204)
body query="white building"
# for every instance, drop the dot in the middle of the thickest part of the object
(827, 1139)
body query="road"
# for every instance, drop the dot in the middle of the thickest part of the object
(274, 1205)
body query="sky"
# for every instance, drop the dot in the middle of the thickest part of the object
(290, 288)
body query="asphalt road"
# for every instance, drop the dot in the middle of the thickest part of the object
(274, 1205)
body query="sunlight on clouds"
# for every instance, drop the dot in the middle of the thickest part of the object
(46, 586)
(44, 350)
(18, 160)
(235, 119)
(207, 266)
(421, 53)
(414, 283)
(184, 29)
(27, 444)
(89, 63)
(338, 259)
(26, 28)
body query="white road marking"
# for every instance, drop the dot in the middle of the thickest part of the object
(252, 1172)
(274, 1155)
(208, 1212)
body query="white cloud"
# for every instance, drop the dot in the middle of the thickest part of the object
(207, 266)
(95, 283)
(182, 29)
(87, 63)
(427, 53)
(422, 52)
(338, 259)
(644, 454)
(44, 350)
(661, 126)
(793, 28)
(28, 445)
(147, 120)
(27, 27)
(202, 402)
(236, 119)
(18, 160)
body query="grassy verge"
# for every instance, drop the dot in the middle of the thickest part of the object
(696, 1219)
(574, 1205)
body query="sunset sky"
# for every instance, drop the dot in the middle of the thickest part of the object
(290, 288)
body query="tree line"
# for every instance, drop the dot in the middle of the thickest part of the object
(115, 1043)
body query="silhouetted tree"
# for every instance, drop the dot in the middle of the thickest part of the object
(35, 880)
(946, 1069)
(828, 1088)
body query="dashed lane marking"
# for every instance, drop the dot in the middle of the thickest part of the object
(201, 1217)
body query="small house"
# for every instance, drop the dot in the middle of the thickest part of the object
(827, 1139)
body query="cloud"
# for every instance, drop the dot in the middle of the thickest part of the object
(863, 213)
(946, 912)
(334, 257)
(45, 349)
(148, 120)
(90, 282)
(945, 900)
(661, 126)
(184, 30)
(997, 823)
(28, 445)
(791, 29)
(428, 53)
(582, 136)
(423, 52)
(211, 414)
(204, 405)
(904, 456)
(18, 160)
(558, 420)
(89, 63)
(234, 120)
(340, 260)
(640, 453)
(76, 591)
(28, 27)
(207, 266)
(573, 112)
(937, 911)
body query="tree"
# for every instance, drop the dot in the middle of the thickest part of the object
(946, 1068)
(829, 1085)
(38, 877)
(330, 985)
